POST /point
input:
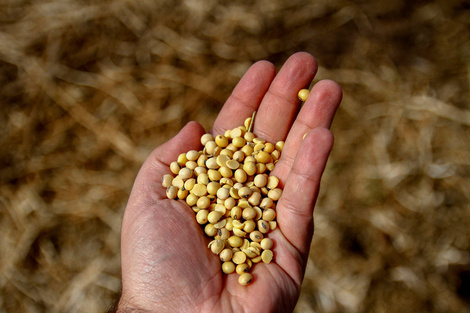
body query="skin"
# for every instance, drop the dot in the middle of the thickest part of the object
(166, 265)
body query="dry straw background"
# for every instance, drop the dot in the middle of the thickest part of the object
(89, 88)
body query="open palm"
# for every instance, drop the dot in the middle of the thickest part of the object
(166, 265)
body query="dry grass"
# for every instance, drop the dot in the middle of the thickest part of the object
(88, 88)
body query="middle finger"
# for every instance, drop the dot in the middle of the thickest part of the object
(280, 105)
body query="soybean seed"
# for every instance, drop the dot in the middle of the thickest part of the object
(280, 146)
(217, 246)
(260, 168)
(275, 194)
(247, 150)
(214, 175)
(263, 226)
(234, 241)
(202, 179)
(223, 233)
(261, 180)
(269, 215)
(199, 170)
(249, 253)
(236, 212)
(226, 181)
(270, 166)
(244, 192)
(228, 267)
(175, 167)
(256, 236)
(178, 182)
(237, 224)
(232, 164)
(212, 163)
(239, 257)
(234, 193)
(212, 188)
(219, 208)
(273, 182)
(240, 175)
(221, 141)
(249, 226)
(203, 202)
(229, 150)
(185, 173)
(192, 155)
(267, 256)
(210, 230)
(225, 172)
(201, 216)
(191, 199)
(266, 203)
(221, 224)
(189, 184)
(199, 190)
(238, 142)
(273, 225)
(171, 192)
(245, 279)
(209, 147)
(258, 147)
(255, 198)
(269, 147)
(214, 217)
(166, 180)
(303, 94)
(249, 213)
(229, 225)
(206, 138)
(238, 156)
(245, 245)
(259, 213)
(182, 159)
(236, 132)
(247, 123)
(242, 268)
(250, 158)
(249, 136)
(266, 244)
(191, 165)
(223, 193)
(222, 160)
(229, 203)
(201, 160)
(182, 194)
(238, 232)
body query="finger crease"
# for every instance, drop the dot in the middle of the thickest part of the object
(291, 207)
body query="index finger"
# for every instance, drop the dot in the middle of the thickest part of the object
(246, 97)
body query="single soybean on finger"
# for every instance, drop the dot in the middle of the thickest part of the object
(303, 94)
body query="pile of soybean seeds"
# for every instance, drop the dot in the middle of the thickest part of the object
(229, 187)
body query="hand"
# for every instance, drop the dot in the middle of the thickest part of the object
(166, 265)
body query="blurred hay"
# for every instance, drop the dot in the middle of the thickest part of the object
(88, 88)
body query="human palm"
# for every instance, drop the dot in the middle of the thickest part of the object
(166, 265)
